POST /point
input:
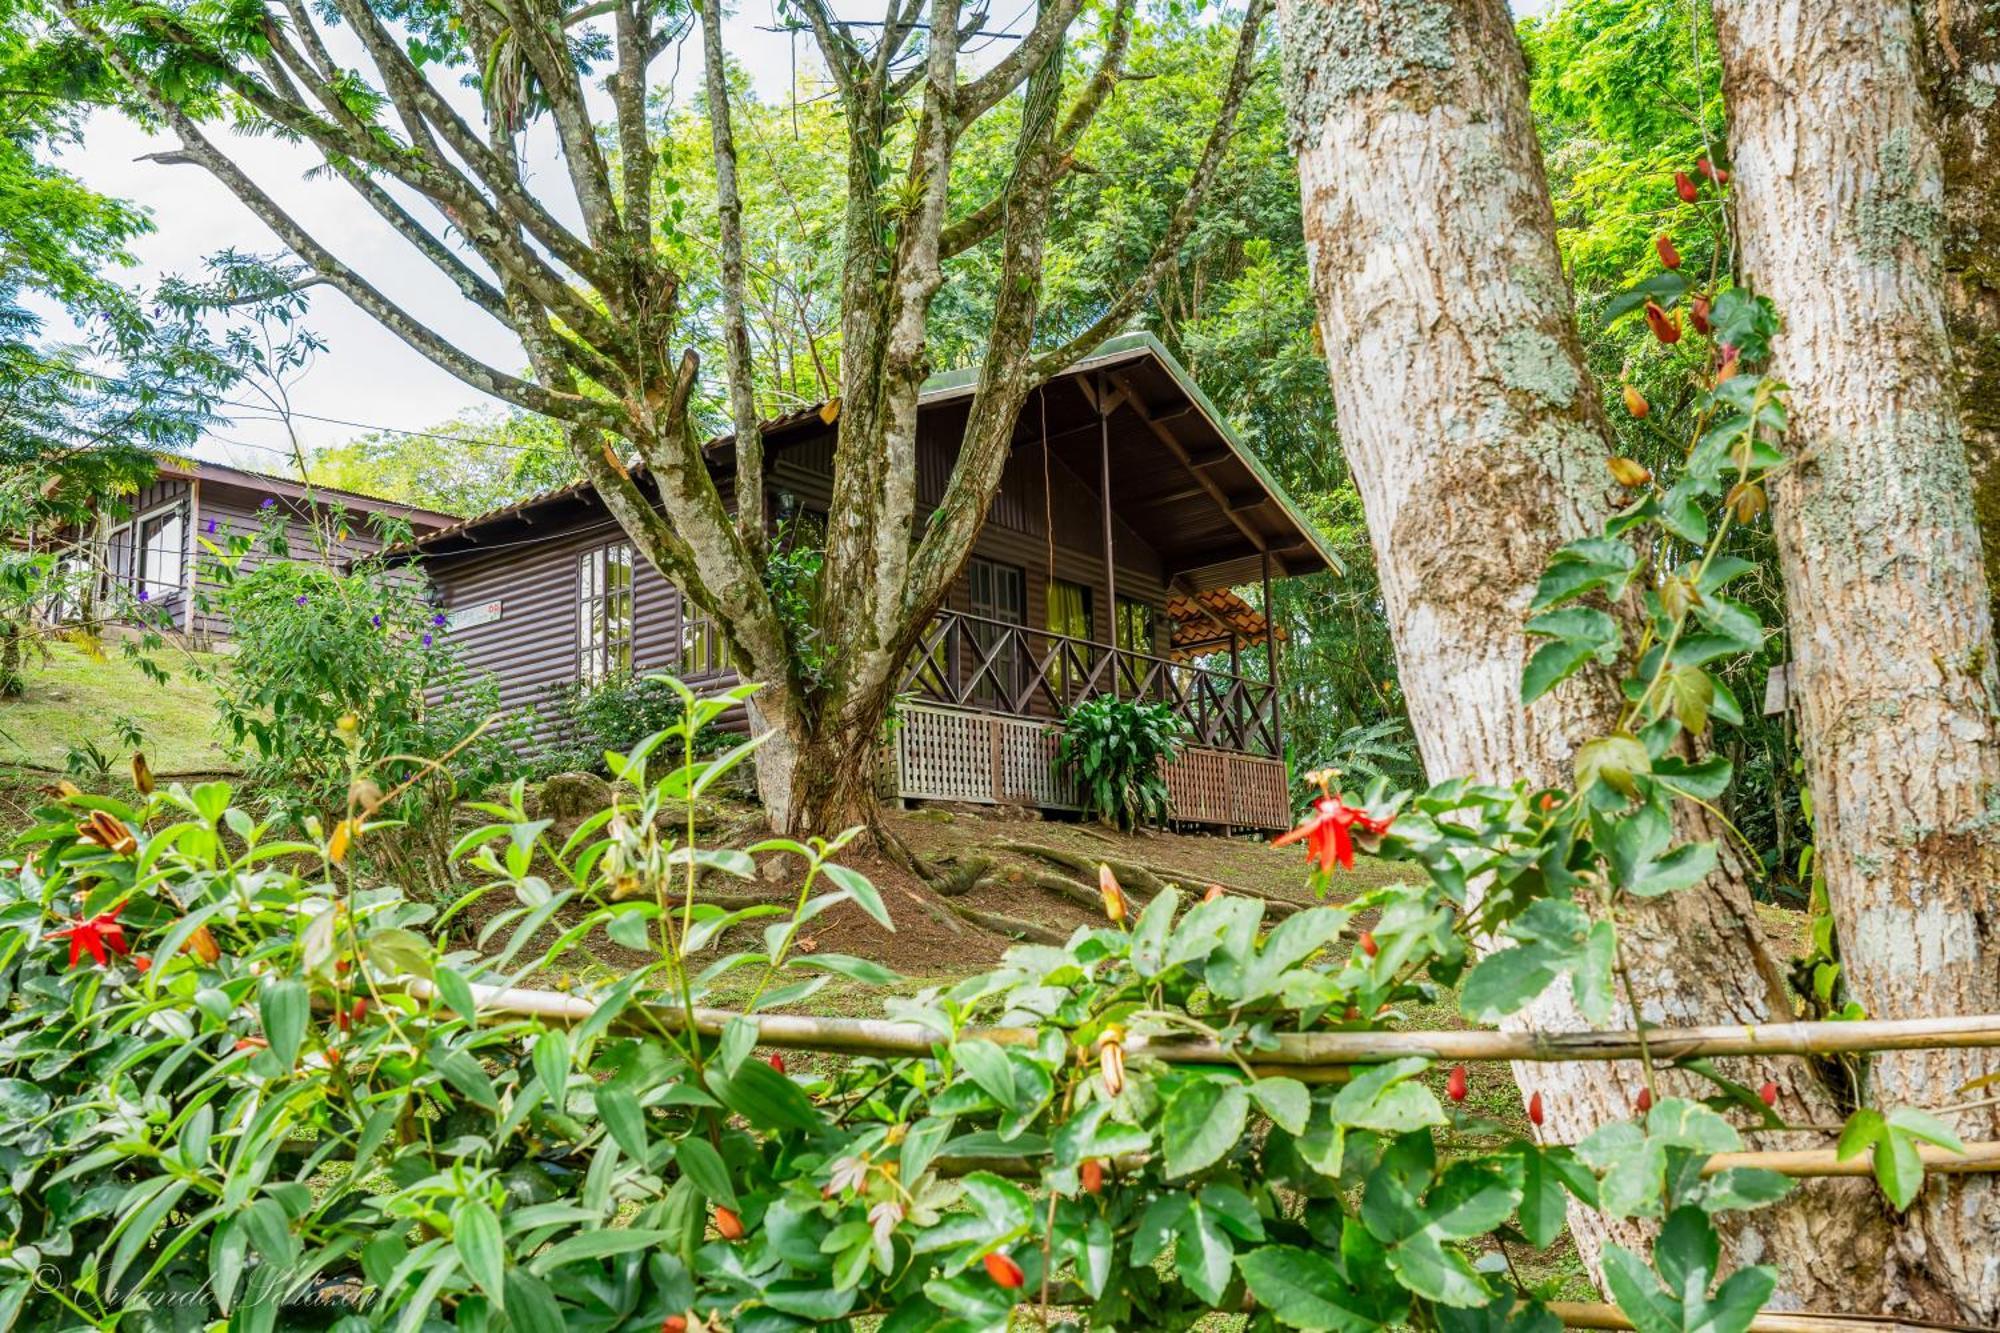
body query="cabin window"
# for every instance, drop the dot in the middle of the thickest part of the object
(1135, 626)
(149, 555)
(1069, 609)
(701, 646)
(604, 612)
(163, 552)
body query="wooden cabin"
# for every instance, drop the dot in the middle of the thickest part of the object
(1127, 514)
(149, 555)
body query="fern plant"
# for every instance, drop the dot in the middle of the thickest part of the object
(1113, 751)
(1383, 749)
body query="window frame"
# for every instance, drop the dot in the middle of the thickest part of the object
(604, 640)
(131, 574)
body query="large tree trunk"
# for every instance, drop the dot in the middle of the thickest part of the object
(1840, 195)
(1477, 440)
(1962, 58)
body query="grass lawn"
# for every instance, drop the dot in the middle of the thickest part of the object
(72, 698)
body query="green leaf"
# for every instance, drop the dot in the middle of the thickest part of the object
(1381, 1098)
(618, 1107)
(1898, 1168)
(1923, 1125)
(1204, 1255)
(1682, 868)
(1285, 1100)
(702, 1164)
(1616, 761)
(764, 1097)
(860, 888)
(1302, 1289)
(455, 991)
(1552, 664)
(475, 1234)
(1638, 1293)
(1203, 1121)
(1544, 1202)
(988, 1066)
(283, 1008)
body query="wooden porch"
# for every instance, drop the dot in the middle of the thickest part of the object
(981, 710)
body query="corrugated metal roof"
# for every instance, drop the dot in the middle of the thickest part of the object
(202, 467)
(960, 384)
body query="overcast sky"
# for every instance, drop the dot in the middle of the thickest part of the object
(367, 377)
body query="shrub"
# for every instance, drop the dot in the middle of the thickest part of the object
(613, 715)
(340, 673)
(239, 1078)
(1112, 750)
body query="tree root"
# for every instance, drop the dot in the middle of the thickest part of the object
(1009, 925)
(1139, 880)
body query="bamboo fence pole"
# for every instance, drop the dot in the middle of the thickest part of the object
(882, 1037)
(1596, 1314)
(1823, 1162)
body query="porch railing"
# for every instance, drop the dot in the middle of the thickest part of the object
(969, 661)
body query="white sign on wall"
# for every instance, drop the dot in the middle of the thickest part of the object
(466, 617)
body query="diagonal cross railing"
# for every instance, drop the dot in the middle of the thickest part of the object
(971, 661)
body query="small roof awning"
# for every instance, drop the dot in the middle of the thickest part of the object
(1205, 621)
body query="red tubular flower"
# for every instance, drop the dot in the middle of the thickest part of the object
(1454, 1086)
(1328, 832)
(1004, 1271)
(94, 937)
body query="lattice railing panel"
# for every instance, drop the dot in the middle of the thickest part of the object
(948, 754)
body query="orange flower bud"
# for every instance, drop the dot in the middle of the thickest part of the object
(1004, 1271)
(728, 1223)
(1662, 324)
(1698, 308)
(142, 963)
(1635, 402)
(1685, 187)
(1710, 170)
(1214, 891)
(1454, 1085)
(142, 773)
(1768, 1094)
(1112, 893)
(1535, 1109)
(1644, 1101)
(1629, 472)
(1092, 1174)
(1368, 944)
(202, 945)
(1663, 246)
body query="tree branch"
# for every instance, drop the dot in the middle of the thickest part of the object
(980, 95)
(735, 327)
(1127, 302)
(983, 221)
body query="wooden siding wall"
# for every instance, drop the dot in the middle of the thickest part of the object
(534, 644)
(236, 510)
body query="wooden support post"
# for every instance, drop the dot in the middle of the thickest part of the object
(1104, 500)
(191, 551)
(1271, 662)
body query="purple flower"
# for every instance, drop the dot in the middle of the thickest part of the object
(211, 527)
(427, 640)
(300, 599)
(145, 596)
(376, 621)
(268, 503)
(438, 620)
